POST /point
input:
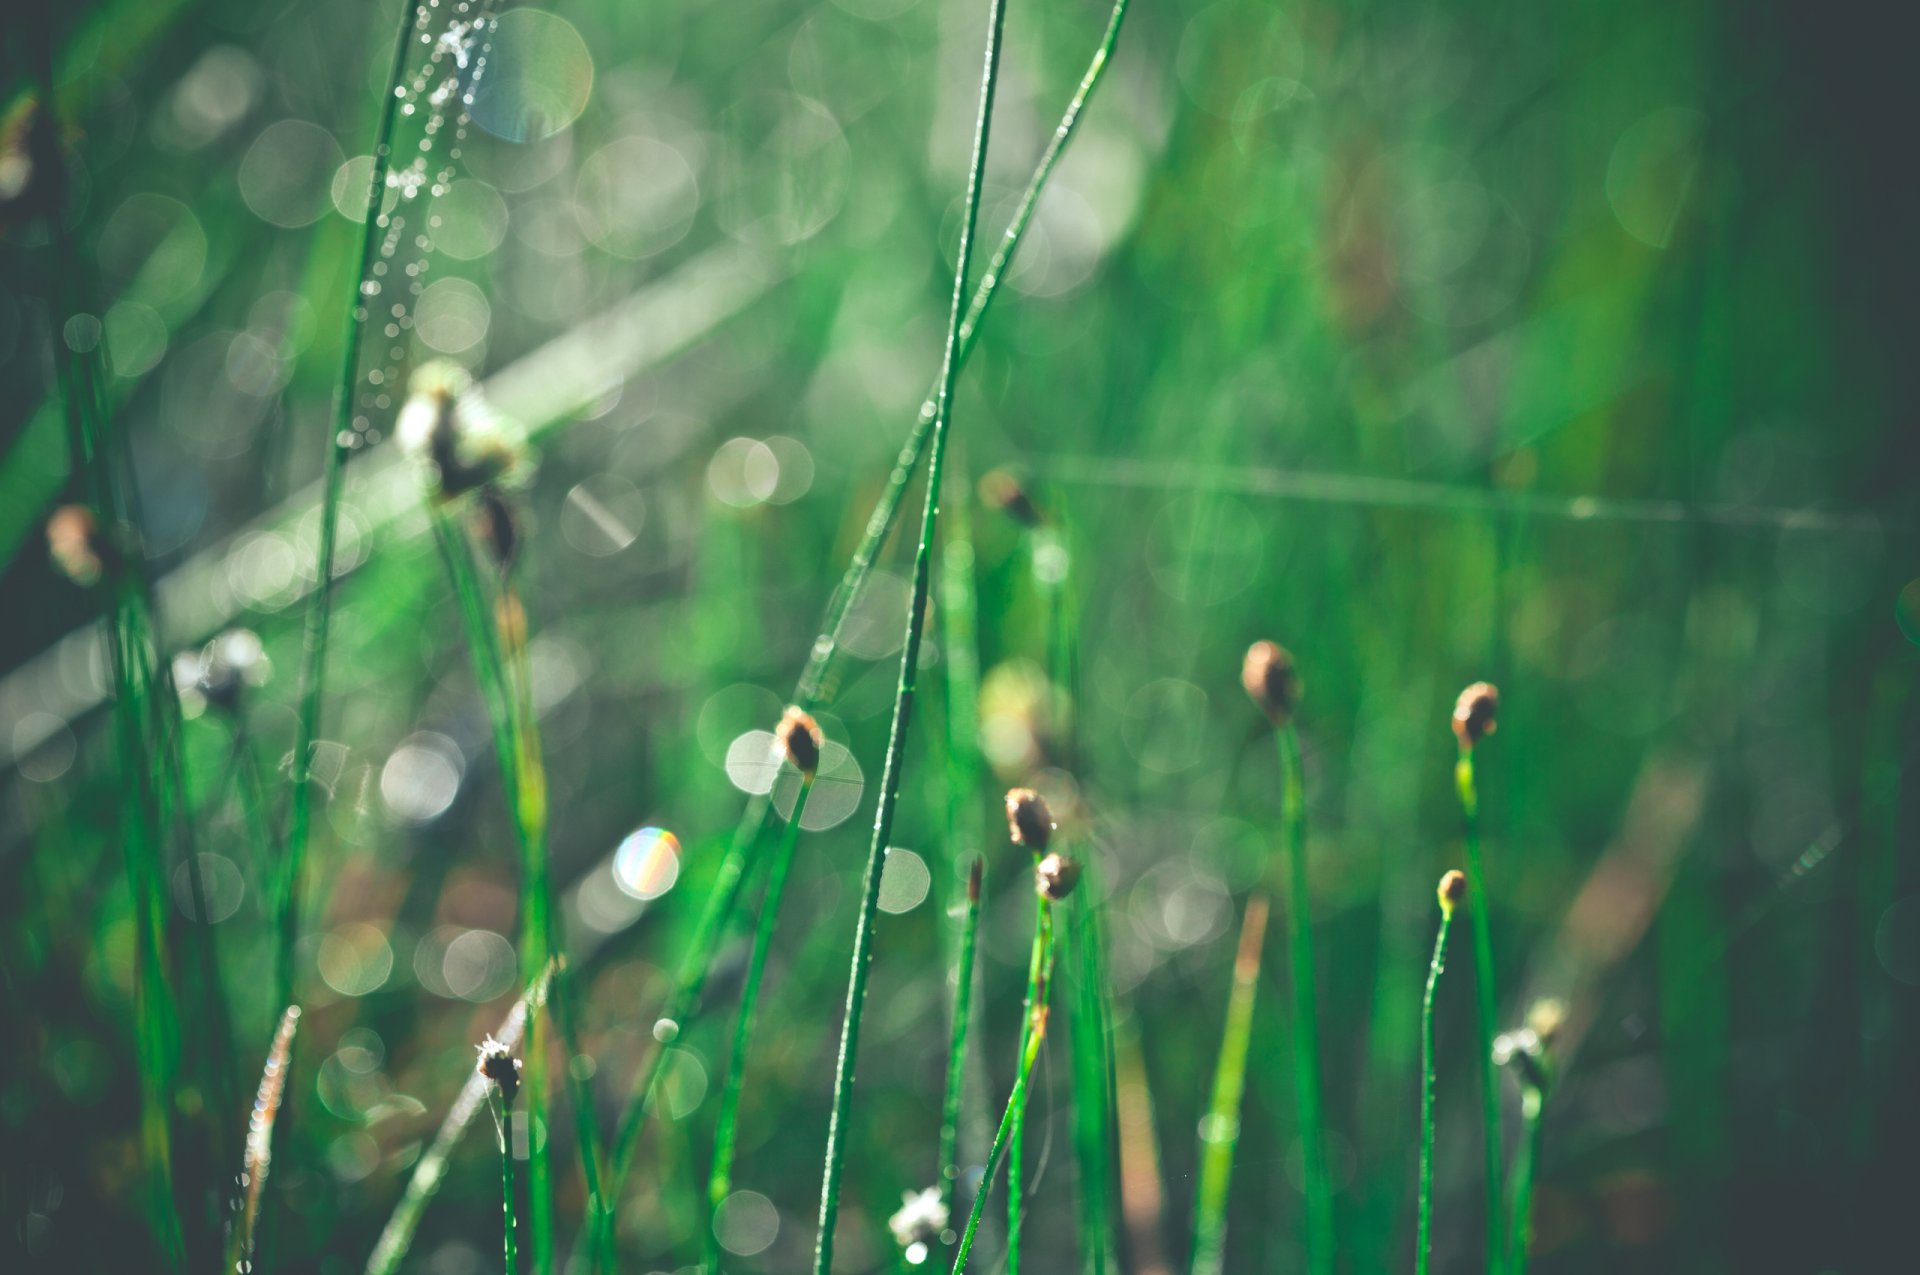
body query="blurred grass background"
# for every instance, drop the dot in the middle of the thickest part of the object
(1565, 347)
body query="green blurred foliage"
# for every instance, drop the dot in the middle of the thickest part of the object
(1549, 346)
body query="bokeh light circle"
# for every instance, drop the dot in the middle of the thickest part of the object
(539, 76)
(647, 863)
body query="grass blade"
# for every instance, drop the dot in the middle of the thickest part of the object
(1035, 1031)
(431, 1169)
(720, 1180)
(341, 443)
(957, 1044)
(1090, 1035)
(259, 1151)
(1451, 889)
(1486, 1001)
(909, 671)
(683, 1004)
(1222, 1133)
(1306, 1015)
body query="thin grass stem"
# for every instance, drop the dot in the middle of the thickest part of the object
(1035, 1030)
(684, 1003)
(1423, 1241)
(1091, 1040)
(957, 1043)
(431, 1169)
(1526, 1156)
(506, 687)
(720, 1179)
(503, 1119)
(1306, 1014)
(1042, 953)
(909, 670)
(1221, 1133)
(1486, 1004)
(313, 657)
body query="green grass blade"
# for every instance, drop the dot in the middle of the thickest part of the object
(957, 1041)
(1222, 1131)
(683, 1005)
(1040, 957)
(909, 673)
(1306, 1015)
(1096, 1135)
(431, 1169)
(1035, 1032)
(1424, 1232)
(1486, 1004)
(1526, 1155)
(341, 443)
(720, 1180)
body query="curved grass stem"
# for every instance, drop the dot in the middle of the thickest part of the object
(1222, 1132)
(1526, 1156)
(1423, 1238)
(957, 1044)
(497, 642)
(1486, 1004)
(720, 1180)
(1035, 1031)
(909, 671)
(1306, 1015)
(1041, 956)
(684, 1002)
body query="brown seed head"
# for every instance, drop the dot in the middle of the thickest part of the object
(1545, 1018)
(1002, 491)
(1453, 891)
(497, 527)
(975, 873)
(1055, 876)
(1271, 682)
(77, 545)
(1029, 822)
(498, 1064)
(798, 740)
(1474, 713)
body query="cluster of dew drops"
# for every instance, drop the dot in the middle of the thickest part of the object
(442, 91)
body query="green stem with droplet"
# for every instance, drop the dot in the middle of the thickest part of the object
(909, 671)
(1423, 1240)
(683, 1004)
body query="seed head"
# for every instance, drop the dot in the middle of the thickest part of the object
(1271, 682)
(1002, 491)
(919, 1223)
(1055, 876)
(1453, 891)
(1545, 1018)
(32, 170)
(77, 545)
(218, 674)
(1524, 1051)
(498, 1064)
(448, 427)
(497, 527)
(1029, 822)
(797, 739)
(1474, 713)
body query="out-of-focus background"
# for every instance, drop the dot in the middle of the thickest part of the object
(1567, 346)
